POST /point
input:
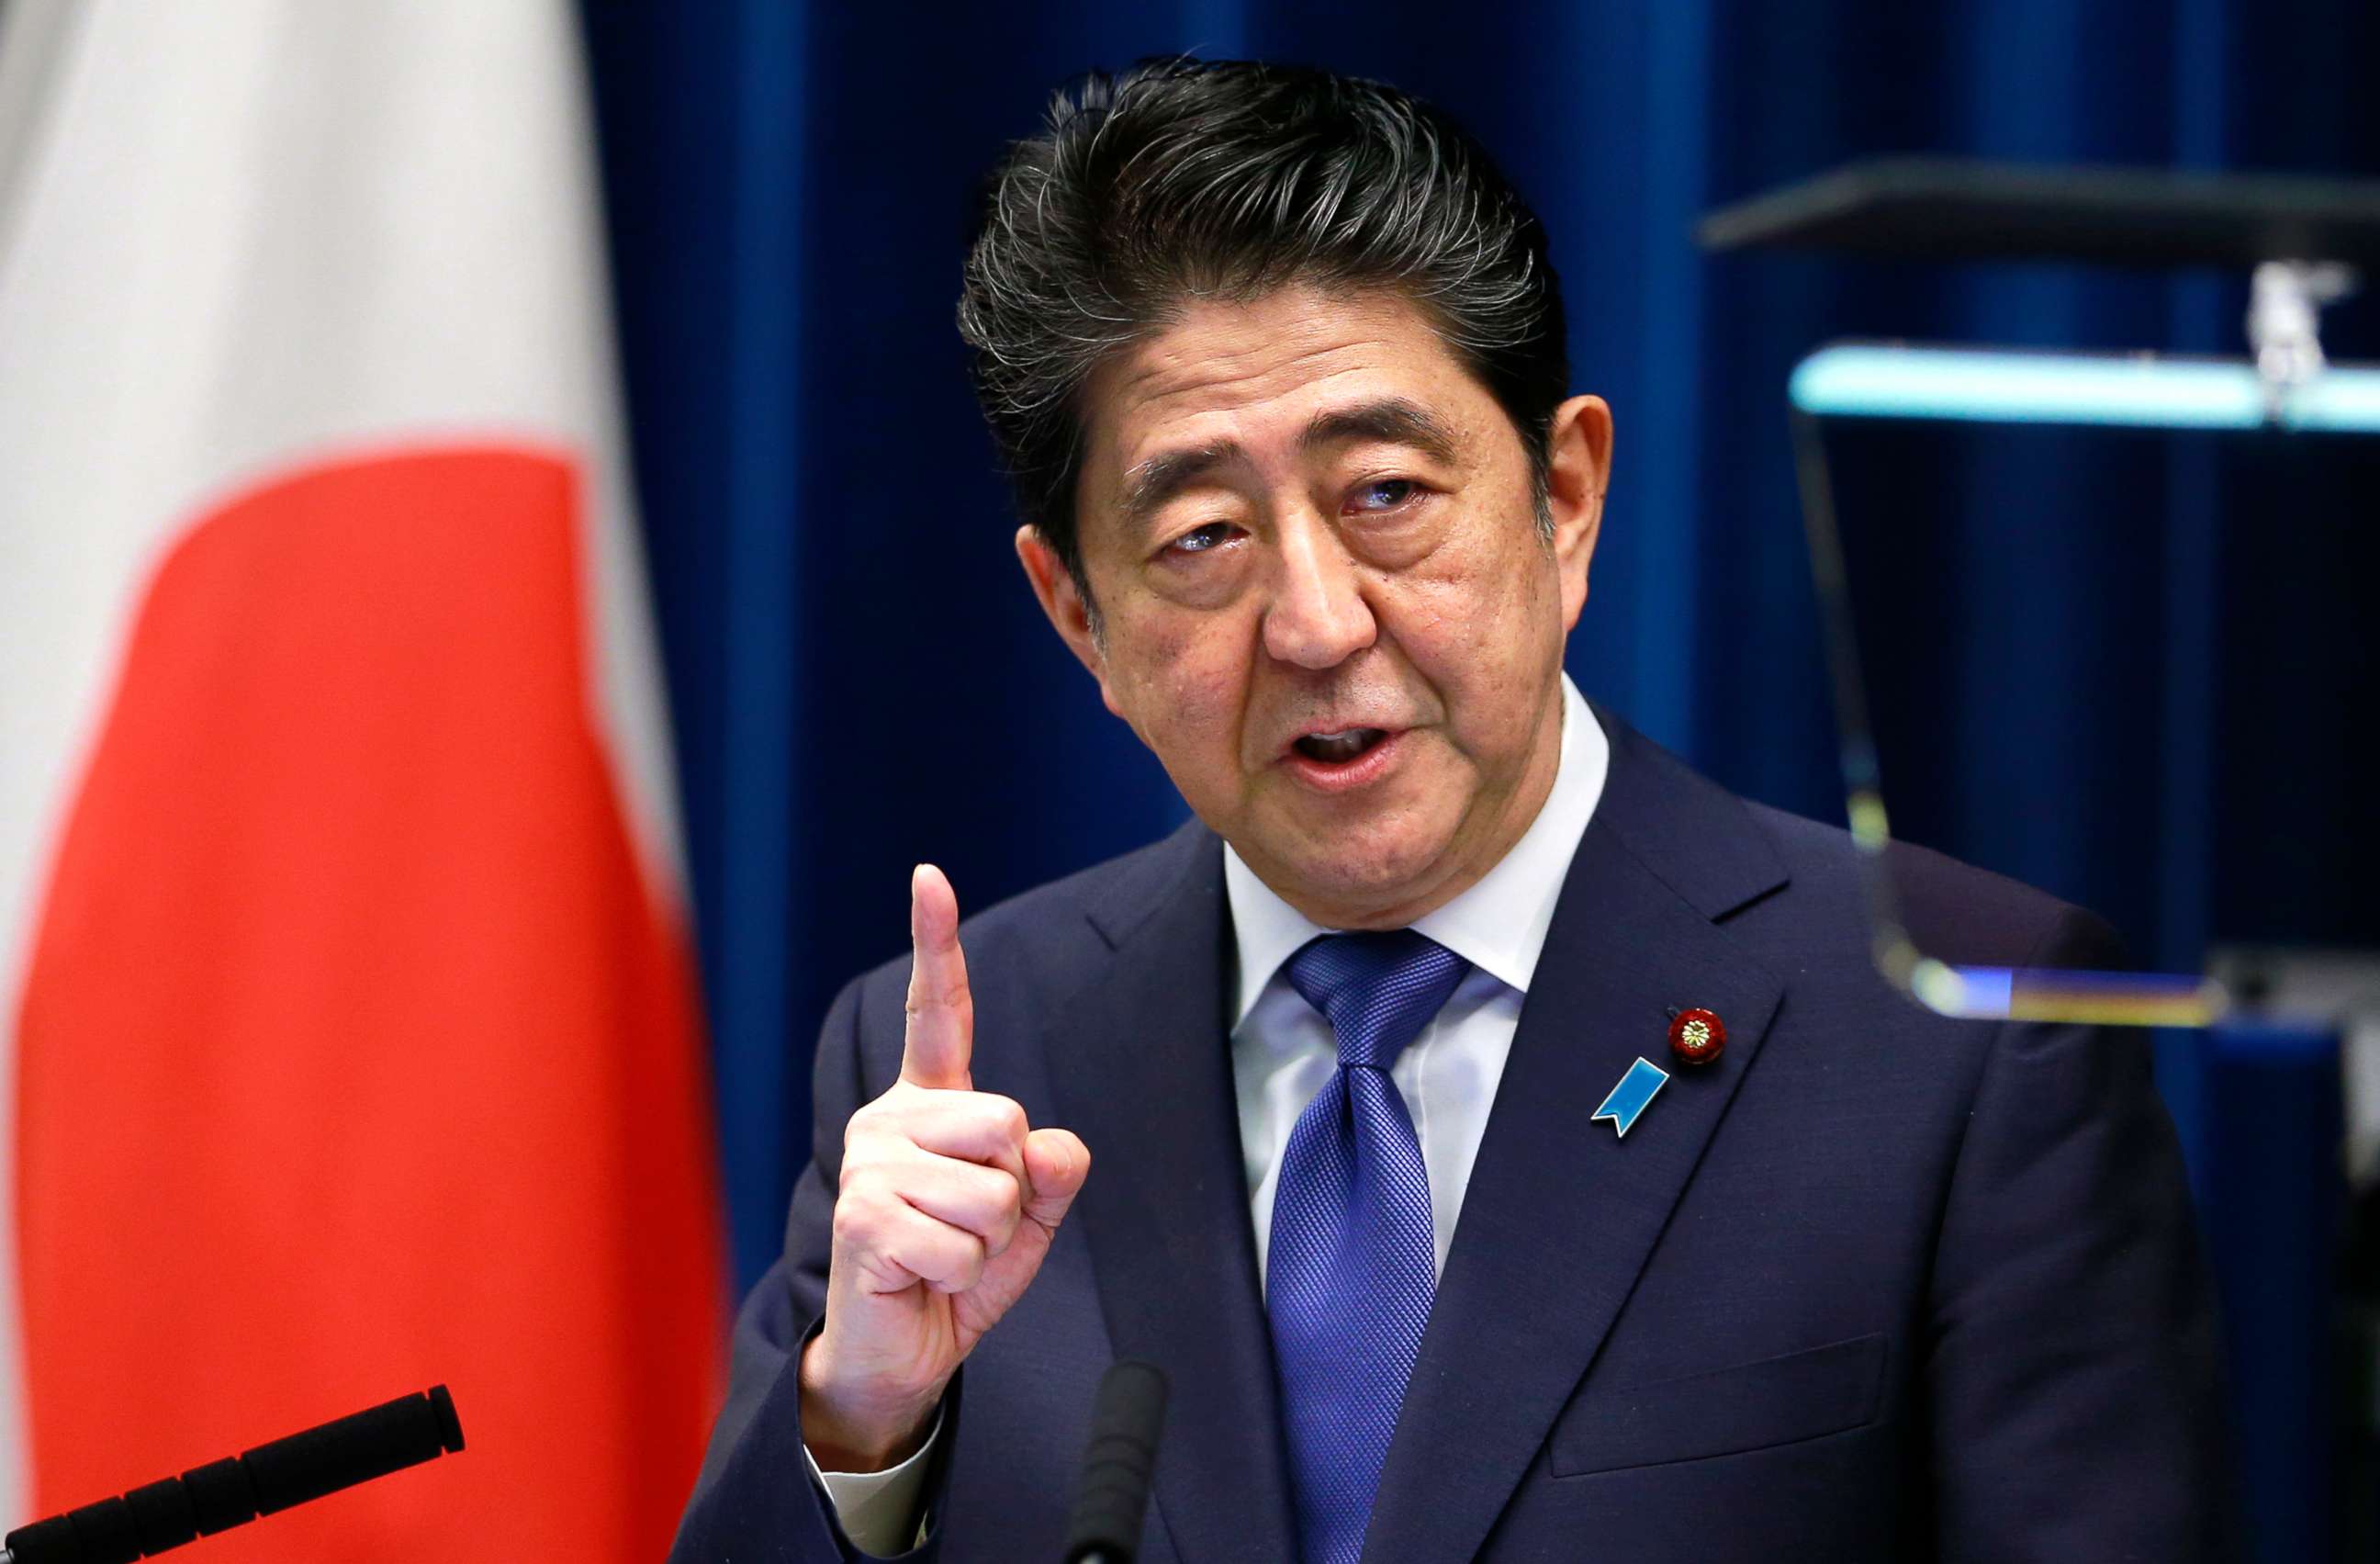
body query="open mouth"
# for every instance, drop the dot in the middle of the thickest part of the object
(1334, 748)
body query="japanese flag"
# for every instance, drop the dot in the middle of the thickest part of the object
(344, 959)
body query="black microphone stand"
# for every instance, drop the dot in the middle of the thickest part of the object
(232, 1492)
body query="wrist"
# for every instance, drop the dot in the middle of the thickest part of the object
(860, 1430)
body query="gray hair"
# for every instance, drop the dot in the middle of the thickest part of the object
(1185, 179)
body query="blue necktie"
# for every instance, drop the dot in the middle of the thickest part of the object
(1351, 1272)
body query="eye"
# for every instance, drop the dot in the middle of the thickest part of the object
(1383, 493)
(1200, 540)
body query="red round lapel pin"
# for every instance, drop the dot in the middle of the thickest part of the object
(1697, 1036)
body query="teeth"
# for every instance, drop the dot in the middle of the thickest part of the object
(1344, 746)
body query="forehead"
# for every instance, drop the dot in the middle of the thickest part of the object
(1255, 374)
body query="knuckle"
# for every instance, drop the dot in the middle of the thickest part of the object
(968, 1261)
(864, 1210)
(853, 1222)
(995, 1204)
(1007, 1117)
(870, 1116)
(938, 1255)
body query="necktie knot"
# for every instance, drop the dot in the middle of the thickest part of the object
(1378, 990)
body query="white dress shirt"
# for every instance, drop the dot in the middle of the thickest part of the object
(1282, 1050)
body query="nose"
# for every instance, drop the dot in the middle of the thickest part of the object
(1318, 617)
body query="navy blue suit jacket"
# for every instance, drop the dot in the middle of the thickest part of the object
(1874, 1286)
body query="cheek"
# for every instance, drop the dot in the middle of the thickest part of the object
(1466, 607)
(1483, 628)
(1177, 678)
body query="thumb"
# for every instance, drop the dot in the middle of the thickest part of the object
(1056, 1163)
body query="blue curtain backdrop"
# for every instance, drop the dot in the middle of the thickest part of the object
(859, 680)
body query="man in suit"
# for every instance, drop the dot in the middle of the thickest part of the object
(1276, 359)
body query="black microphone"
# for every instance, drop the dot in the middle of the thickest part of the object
(1112, 1493)
(232, 1492)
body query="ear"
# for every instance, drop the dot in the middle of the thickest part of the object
(1062, 599)
(1578, 470)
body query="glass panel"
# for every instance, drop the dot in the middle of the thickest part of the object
(2098, 626)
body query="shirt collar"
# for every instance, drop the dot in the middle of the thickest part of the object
(1499, 925)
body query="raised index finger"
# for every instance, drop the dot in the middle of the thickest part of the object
(940, 1039)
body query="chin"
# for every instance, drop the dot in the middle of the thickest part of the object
(1359, 871)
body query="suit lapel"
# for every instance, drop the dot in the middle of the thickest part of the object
(1140, 1064)
(1561, 1214)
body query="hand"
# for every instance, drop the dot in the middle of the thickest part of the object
(948, 1203)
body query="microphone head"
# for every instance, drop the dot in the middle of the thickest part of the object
(450, 1427)
(1112, 1498)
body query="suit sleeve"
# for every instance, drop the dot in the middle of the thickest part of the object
(2071, 1368)
(757, 1499)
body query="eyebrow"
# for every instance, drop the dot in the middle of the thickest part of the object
(1389, 420)
(1392, 420)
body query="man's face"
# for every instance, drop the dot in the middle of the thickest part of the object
(1324, 600)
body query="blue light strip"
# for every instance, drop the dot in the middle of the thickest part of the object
(2090, 999)
(2145, 392)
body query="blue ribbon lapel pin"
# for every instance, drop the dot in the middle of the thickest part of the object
(1628, 1099)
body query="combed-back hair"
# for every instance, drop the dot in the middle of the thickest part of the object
(1185, 179)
